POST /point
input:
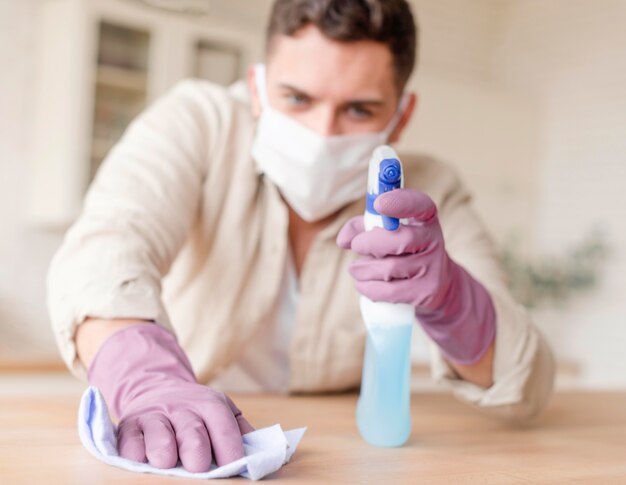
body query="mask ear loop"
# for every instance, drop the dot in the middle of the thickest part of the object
(395, 119)
(260, 73)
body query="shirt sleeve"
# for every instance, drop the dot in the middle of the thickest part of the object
(523, 366)
(135, 217)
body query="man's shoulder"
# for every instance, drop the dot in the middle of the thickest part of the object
(424, 170)
(203, 98)
(193, 86)
(430, 174)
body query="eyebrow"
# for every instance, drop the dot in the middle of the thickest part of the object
(365, 101)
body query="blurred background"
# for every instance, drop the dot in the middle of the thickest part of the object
(524, 97)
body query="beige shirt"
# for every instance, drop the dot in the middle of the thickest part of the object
(263, 365)
(179, 227)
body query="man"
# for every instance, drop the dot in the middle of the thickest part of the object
(250, 203)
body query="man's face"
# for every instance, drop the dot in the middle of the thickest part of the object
(332, 87)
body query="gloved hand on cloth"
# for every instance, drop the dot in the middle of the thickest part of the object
(148, 383)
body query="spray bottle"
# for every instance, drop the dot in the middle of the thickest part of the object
(383, 409)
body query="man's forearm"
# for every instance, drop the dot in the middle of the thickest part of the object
(480, 373)
(91, 334)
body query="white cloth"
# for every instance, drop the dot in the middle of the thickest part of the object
(264, 363)
(266, 449)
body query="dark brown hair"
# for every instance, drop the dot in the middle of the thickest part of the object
(387, 21)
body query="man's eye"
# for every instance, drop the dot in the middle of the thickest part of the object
(358, 111)
(297, 99)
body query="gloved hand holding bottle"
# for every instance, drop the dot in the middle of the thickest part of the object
(411, 266)
(148, 382)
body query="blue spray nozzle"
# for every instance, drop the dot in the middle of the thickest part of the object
(390, 174)
(385, 174)
(389, 178)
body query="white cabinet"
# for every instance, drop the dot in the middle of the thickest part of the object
(99, 63)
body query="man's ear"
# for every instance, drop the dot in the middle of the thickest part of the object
(255, 104)
(405, 118)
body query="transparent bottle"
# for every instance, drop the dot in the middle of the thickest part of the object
(383, 410)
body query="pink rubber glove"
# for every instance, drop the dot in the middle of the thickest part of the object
(411, 265)
(147, 381)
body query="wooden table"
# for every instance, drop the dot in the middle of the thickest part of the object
(580, 439)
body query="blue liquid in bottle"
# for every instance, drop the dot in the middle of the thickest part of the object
(383, 409)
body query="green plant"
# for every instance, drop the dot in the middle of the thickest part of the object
(553, 279)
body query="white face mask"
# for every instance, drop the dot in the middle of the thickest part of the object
(316, 174)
